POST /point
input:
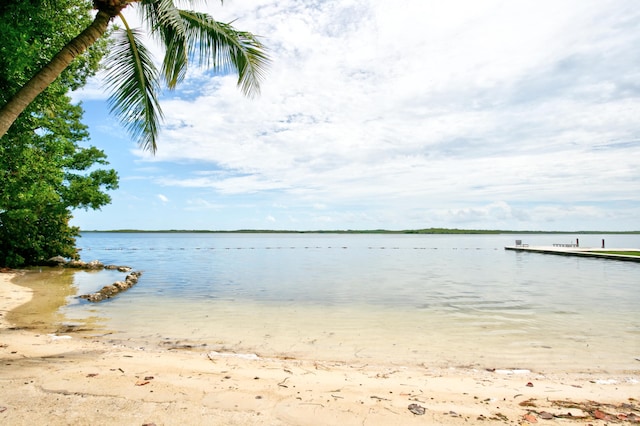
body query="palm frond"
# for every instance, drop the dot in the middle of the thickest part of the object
(194, 3)
(132, 80)
(219, 45)
(165, 23)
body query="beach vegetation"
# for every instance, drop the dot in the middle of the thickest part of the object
(51, 47)
(46, 169)
(133, 79)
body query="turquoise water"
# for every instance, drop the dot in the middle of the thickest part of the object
(445, 300)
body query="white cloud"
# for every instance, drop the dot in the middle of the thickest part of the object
(163, 198)
(199, 204)
(456, 111)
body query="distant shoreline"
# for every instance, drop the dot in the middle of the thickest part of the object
(366, 231)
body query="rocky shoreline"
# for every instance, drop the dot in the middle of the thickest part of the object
(106, 292)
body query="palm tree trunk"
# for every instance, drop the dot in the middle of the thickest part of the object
(39, 82)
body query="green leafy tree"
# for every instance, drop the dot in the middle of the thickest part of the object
(134, 81)
(44, 176)
(44, 171)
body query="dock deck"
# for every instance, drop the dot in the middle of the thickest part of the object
(573, 250)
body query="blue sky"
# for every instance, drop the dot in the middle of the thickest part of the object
(464, 114)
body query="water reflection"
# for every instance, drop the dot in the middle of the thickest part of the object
(53, 289)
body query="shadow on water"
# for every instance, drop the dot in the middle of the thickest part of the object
(52, 288)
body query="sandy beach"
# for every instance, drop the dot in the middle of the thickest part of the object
(71, 379)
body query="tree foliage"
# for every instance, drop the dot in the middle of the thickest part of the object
(50, 46)
(134, 81)
(44, 170)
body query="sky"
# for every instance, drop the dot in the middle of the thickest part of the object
(521, 115)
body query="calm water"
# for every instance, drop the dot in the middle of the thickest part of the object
(442, 300)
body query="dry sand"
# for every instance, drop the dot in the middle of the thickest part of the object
(60, 380)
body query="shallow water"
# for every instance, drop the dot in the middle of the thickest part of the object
(442, 300)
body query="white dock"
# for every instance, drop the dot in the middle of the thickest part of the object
(574, 250)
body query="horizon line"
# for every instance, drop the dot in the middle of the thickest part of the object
(364, 231)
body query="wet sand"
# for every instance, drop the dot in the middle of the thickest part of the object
(71, 379)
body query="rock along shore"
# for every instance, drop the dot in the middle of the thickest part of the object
(106, 292)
